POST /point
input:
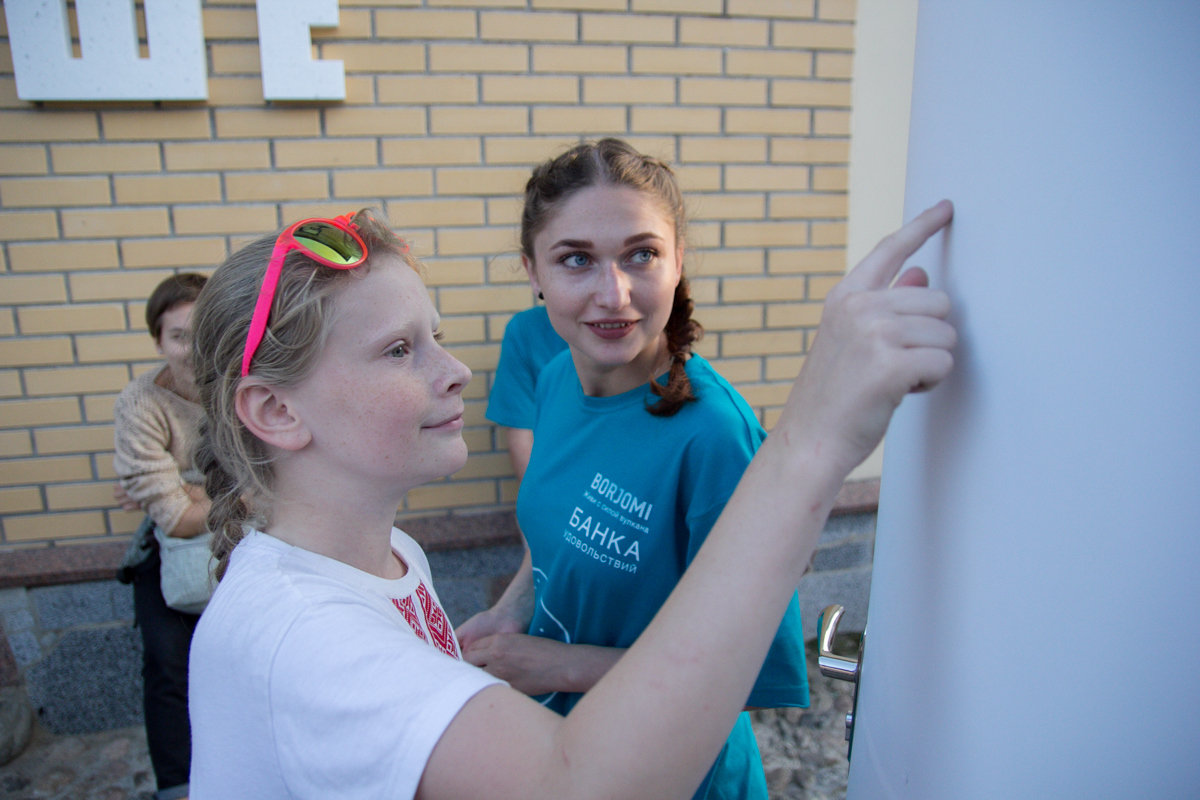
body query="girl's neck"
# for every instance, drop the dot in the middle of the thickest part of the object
(601, 381)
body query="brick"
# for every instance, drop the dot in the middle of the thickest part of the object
(831, 123)
(770, 63)
(723, 149)
(53, 191)
(672, 119)
(481, 180)
(723, 91)
(528, 27)
(255, 123)
(723, 32)
(451, 495)
(580, 119)
(49, 411)
(794, 315)
(24, 289)
(835, 94)
(459, 330)
(799, 9)
(478, 58)
(15, 443)
(75, 380)
(237, 90)
(675, 60)
(61, 256)
(43, 470)
(477, 119)
(230, 23)
(826, 234)
(819, 286)
(69, 525)
(48, 126)
(26, 225)
(23, 160)
(628, 90)
(450, 271)
(757, 343)
(20, 500)
(10, 382)
(382, 183)
(114, 348)
(27, 351)
(217, 155)
(842, 10)
(790, 261)
(374, 121)
(765, 234)
(430, 151)
(225, 219)
(75, 496)
(92, 158)
(698, 178)
(762, 290)
(809, 151)
(435, 89)
(784, 368)
(352, 24)
(582, 5)
(739, 370)
(122, 285)
(830, 179)
(97, 223)
(530, 89)
(730, 317)
(786, 121)
(761, 395)
(435, 212)
(147, 189)
(268, 187)
(474, 4)
(475, 241)
(505, 268)
(725, 206)
(326, 153)
(835, 65)
(99, 408)
(505, 210)
(376, 57)
(483, 299)
(579, 59)
(725, 262)
(242, 58)
(75, 439)
(809, 206)
(634, 28)
(813, 35)
(156, 124)
(524, 150)
(479, 357)
(174, 252)
(765, 178)
(679, 6)
(485, 465)
(425, 24)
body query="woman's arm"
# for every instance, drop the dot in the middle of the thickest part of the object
(652, 726)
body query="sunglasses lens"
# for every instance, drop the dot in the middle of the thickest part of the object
(329, 242)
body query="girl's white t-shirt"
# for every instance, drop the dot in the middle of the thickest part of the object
(312, 679)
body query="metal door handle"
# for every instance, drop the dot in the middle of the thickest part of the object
(833, 666)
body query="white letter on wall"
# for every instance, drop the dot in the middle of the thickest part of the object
(109, 67)
(285, 42)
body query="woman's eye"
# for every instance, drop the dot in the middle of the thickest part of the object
(575, 260)
(399, 351)
(643, 256)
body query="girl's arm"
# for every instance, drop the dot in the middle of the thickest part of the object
(652, 726)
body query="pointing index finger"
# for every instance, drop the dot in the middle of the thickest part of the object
(880, 266)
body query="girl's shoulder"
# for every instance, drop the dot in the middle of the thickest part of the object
(719, 405)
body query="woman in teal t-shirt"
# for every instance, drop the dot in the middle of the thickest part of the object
(637, 445)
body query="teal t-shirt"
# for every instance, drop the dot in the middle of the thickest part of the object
(530, 342)
(615, 504)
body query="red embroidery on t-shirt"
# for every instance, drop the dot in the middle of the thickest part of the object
(439, 627)
(409, 611)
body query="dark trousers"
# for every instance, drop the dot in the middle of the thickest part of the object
(166, 640)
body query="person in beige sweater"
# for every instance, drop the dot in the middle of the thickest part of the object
(156, 425)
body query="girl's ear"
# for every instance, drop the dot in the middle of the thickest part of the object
(532, 273)
(158, 345)
(678, 261)
(266, 414)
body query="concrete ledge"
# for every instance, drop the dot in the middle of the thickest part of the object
(97, 562)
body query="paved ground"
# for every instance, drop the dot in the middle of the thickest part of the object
(804, 753)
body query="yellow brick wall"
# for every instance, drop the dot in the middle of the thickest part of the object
(448, 105)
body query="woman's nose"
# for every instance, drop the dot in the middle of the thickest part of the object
(613, 291)
(456, 374)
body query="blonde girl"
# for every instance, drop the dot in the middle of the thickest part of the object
(323, 666)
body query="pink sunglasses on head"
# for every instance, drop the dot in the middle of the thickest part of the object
(332, 242)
